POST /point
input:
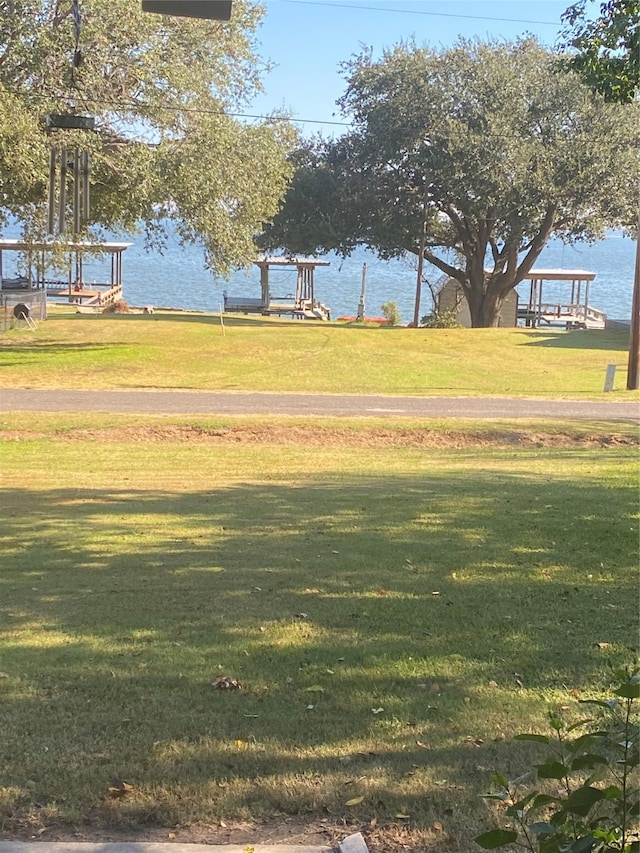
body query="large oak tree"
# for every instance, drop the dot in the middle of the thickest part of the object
(166, 146)
(476, 154)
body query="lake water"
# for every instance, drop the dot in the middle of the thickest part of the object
(178, 279)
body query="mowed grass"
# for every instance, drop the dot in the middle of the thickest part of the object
(190, 351)
(394, 613)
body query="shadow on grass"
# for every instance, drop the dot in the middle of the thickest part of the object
(35, 347)
(208, 318)
(582, 340)
(328, 601)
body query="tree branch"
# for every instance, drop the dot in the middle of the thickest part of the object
(443, 266)
(537, 244)
(459, 224)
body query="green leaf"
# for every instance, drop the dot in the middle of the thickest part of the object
(551, 769)
(519, 807)
(612, 792)
(582, 800)
(584, 762)
(630, 690)
(579, 724)
(609, 704)
(532, 737)
(633, 809)
(633, 758)
(543, 800)
(496, 838)
(586, 740)
(500, 779)
(520, 779)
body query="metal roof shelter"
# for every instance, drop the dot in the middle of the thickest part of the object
(34, 280)
(574, 312)
(300, 303)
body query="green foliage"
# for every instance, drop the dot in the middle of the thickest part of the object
(486, 144)
(22, 153)
(596, 805)
(607, 49)
(441, 320)
(305, 220)
(391, 312)
(165, 148)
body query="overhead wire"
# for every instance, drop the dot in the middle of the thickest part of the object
(322, 3)
(416, 12)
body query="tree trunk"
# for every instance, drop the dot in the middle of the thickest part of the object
(484, 305)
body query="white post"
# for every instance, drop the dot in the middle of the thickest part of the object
(610, 377)
(360, 316)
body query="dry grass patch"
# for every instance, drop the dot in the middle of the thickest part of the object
(354, 434)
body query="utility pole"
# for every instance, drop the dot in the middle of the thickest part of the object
(423, 240)
(633, 368)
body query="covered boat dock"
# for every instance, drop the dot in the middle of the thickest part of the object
(299, 303)
(34, 286)
(574, 312)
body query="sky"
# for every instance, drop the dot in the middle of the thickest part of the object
(307, 40)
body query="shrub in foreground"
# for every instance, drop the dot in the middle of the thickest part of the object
(596, 803)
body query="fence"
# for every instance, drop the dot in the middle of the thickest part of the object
(35, 301)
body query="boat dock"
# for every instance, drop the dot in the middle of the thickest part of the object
(300, 303)
(575, 312)
(33, 287)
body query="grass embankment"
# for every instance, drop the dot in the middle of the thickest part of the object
(189, 351)
(396, 600)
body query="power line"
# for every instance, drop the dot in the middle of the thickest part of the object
(417, 12)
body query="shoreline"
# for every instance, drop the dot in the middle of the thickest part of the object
(611, 324)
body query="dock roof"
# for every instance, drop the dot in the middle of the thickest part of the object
(43, 245)
(560, 275)
(284, 261)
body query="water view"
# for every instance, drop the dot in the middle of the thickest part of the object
(178, 279)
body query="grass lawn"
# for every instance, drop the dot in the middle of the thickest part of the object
(189, 351)
(396, 598)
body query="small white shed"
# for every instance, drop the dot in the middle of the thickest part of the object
(451, 297)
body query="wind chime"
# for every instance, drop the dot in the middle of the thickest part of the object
(69, 167)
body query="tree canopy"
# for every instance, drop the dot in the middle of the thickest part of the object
(480, 153)
(606, 50)
(166, 147)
